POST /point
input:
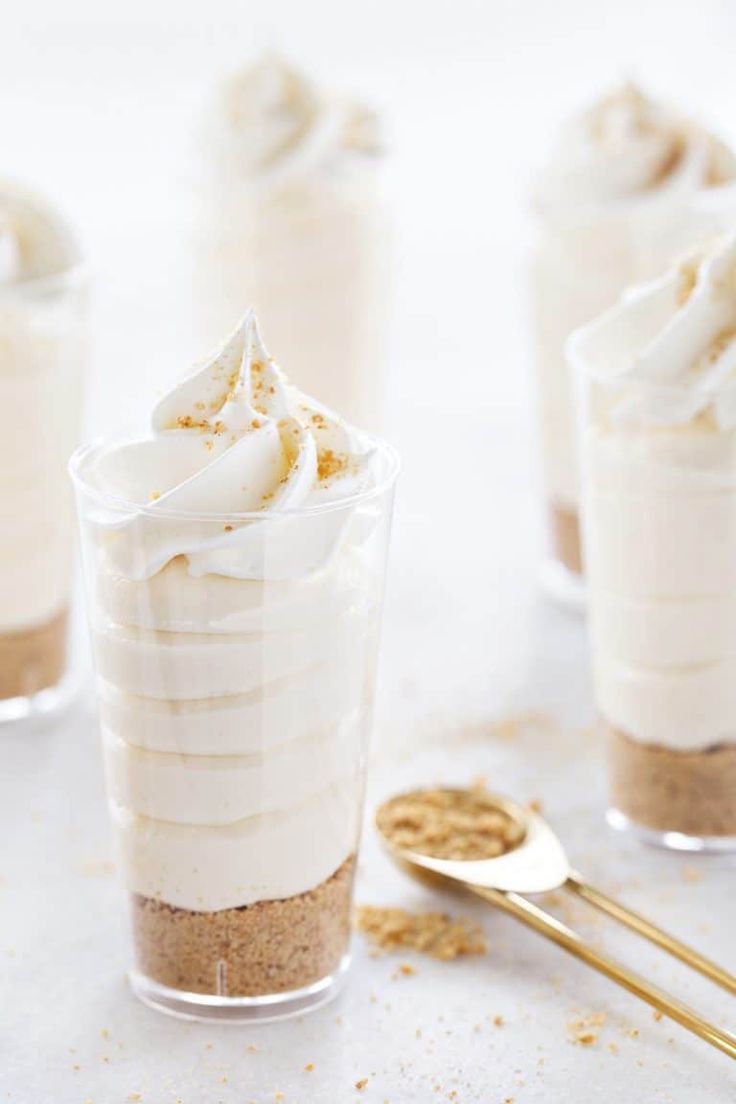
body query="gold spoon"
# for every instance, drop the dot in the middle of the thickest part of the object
(538, 864)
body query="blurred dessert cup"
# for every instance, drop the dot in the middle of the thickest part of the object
(629, 185)
(657, 377)
(42, 354)
(290, 217)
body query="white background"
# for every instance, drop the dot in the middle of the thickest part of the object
(99, 107)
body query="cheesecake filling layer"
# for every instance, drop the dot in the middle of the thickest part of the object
(236, 606)
(659, 372)
(41, 364)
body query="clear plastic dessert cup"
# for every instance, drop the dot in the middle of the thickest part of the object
(236, 713)
(42, 361)
(659, 537)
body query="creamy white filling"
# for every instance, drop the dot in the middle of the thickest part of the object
(313, 700)
(682, 708)
(660, 505)
(182, 666)
(221, 789)
(41, 363)
(175, 601)
(236, 654)
(269, 856)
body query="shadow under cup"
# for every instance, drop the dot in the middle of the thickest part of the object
(236, 707)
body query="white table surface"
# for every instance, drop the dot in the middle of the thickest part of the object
(468, 642)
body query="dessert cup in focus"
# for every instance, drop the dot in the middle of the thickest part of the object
(42, 353)
(629, 185)
(657, 376)
(290, 217)
(234, 565)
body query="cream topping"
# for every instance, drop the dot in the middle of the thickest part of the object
(34, 239)
(234, 438)
(9, 259)
(670, 346)
(628, 146)
(270, 120)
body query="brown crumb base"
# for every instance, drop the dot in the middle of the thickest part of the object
(674, 791)
(565, 525)
(267, 947)
(33, 659)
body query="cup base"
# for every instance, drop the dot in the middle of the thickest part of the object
(562, 586)
(238, 1010)
(45, 703)
(669, 841)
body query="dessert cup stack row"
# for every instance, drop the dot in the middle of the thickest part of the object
(234, 559)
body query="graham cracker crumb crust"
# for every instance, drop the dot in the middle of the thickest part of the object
(565, 524)
(33, 659)
(693, 792)
(264, 948)
(449, 824)
(432, 933)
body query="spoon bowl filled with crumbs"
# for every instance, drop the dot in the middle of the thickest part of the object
(489, 845)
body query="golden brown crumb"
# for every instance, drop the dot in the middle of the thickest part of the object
(584, 1031)
(657, 1015)
(330, 463)
(688, 272)
(154, 495)
(449, 824)
(360, 1085)
(186, 421)
(499, 1021)
(406, 969)
(432, 933)
(228, 528)
(309, 1067)
(134, 1096)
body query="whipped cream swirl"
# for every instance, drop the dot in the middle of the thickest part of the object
(234, 438)
(670, 346)
(35, 241)
(628, 147)
(270, 121)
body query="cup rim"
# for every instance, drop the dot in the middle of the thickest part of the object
(84, 453)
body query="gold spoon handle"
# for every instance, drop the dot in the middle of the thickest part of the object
(551, 928)
(651, 932)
